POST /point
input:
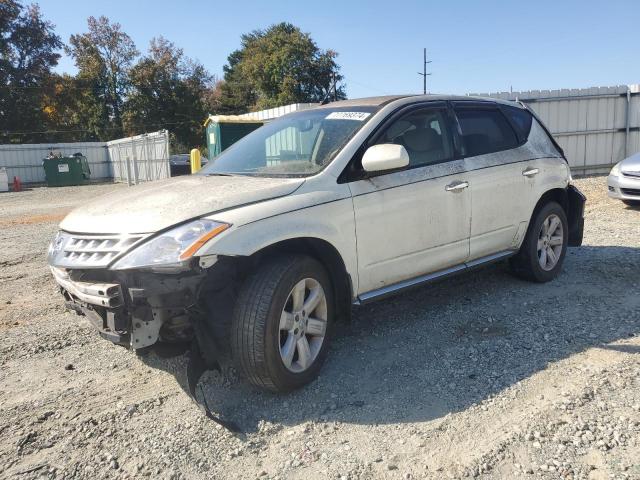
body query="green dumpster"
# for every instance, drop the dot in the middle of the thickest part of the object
(224, 130)
(62, 171)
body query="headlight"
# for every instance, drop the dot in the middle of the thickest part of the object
(56, 246)
(615, 171)
(172, 248)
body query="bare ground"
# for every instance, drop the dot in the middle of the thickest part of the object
(479, 376)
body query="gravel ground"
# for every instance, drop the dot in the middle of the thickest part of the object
(479, 376)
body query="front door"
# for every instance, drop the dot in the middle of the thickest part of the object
(415, 221)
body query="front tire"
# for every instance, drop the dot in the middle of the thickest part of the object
(544, 247)
(632, 203)
(281, 323)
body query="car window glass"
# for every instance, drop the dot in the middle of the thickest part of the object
(485, 131)
(521, 120)
(424, 134)
(297, 144)
(291, 144)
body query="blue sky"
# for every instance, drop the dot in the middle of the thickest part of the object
(476, 47)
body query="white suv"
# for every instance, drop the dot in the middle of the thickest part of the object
(262, 252)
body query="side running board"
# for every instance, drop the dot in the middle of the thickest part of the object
(430, 277)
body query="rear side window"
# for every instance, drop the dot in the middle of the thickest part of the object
(485, 130)
(521, 119)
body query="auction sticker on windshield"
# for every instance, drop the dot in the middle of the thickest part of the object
(359, 116)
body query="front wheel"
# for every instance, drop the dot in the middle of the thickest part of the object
(282, 321)
(543, 249)
(632, 203)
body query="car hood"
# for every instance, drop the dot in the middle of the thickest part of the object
(631, 164)
(157, 205)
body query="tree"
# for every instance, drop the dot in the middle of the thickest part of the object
(28, 52)
(235, 94)
(9, 11)
(70, 110)
(168, 90)
(104, 56)
(277, 66)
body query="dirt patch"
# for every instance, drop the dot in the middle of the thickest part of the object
(481, 376)
(34, 219)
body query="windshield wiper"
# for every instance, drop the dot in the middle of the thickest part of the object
(216, 174)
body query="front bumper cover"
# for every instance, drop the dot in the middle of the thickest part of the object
(623, 187)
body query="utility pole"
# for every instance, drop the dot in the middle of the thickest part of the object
(424, 72)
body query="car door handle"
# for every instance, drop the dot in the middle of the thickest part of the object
(530, 172)
(456, 186)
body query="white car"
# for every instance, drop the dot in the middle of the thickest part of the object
(624, 181)
(262, 252)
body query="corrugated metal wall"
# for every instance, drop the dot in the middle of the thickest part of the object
(272, 113)
(25, 161)
(597, 127)
(141, 158)
(148, 154)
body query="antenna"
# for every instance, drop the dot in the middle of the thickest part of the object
(424, 72)
(332, 89)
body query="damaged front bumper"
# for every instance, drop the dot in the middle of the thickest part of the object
(137, 308)
(134, 308)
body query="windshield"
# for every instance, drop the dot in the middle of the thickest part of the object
(299, 144)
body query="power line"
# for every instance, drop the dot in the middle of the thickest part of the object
(44, 132)
(369, 87)
(22, 87)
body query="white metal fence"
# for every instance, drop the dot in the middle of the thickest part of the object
(596, 127)
(141, 158)
(25, 161)
(134, 159)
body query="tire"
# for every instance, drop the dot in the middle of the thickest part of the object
(265, 326)
(528, 263)
(632, 203)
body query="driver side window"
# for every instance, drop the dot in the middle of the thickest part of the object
(424, 134)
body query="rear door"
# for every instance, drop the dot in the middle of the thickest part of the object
(499, 198)
(415, 221)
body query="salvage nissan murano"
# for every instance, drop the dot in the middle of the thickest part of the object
(257, 256)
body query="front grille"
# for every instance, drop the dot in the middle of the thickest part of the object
(631, 174)
(92, 251)
(97, 251)
(631, 191)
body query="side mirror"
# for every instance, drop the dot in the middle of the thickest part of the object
(387, 156)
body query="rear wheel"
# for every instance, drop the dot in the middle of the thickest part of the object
(281, 323)
(543, 249)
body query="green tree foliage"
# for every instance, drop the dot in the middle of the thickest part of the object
(71, 111)
(117, 92)
(28, 52)
(276, 66)
(103, 56)
(168, 90)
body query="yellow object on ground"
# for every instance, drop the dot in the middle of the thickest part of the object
(195, 160)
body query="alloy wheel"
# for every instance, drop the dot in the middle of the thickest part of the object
(550, 242)
(303, 325)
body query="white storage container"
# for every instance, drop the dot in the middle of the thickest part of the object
(4, 180)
